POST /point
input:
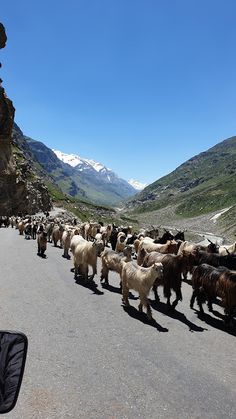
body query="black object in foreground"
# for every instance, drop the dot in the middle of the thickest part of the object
(13, 351)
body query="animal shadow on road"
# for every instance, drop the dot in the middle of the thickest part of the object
(117, 290)
(217, 323)
(111, 288)
(174, 314)
(90, 284)
(142, 317)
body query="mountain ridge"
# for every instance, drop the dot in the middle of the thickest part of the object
(102, 187)
(81, 164)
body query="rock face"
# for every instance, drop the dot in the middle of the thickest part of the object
(3, 36)
(20, 190)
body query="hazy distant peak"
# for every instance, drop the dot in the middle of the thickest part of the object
(137, 185)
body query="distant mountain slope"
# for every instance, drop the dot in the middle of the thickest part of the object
(82, 178)
(204, 183)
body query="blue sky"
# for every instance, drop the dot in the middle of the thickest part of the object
(138, 85)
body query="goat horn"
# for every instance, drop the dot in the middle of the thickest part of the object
(227, 250)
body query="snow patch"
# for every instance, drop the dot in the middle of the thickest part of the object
(214, 218)
(71, 159)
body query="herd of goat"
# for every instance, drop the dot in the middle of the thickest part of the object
(143, 260)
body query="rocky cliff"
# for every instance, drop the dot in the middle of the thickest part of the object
(21, 191)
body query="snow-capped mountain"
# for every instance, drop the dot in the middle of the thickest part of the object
(71, 159)
(137, 185)
(81, 177)
(87, 165)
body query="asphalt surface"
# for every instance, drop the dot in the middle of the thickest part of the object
(90, 358)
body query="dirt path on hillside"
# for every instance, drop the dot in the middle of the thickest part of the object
(197, 227)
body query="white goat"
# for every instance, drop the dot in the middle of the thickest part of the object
(85, 255)
(65, 240)
(121, 242)
(112, 261)
(74, 241)
(225, 250)
(141, 280)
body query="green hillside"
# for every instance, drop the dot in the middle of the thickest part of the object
(204, 183)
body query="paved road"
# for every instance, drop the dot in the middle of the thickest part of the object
(89, 358)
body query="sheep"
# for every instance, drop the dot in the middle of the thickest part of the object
(173, 266)
(85, 254)
(141, 280)
(225, 250)
(112, 261)
(121, 242)
(42, 243)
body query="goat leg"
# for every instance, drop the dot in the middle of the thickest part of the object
(194, 294)
(157, 298)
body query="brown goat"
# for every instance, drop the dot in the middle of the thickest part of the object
(173, 266)
(42, 243)
(147, 246)
(210, 282)
(226, 290)
(112, 261)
